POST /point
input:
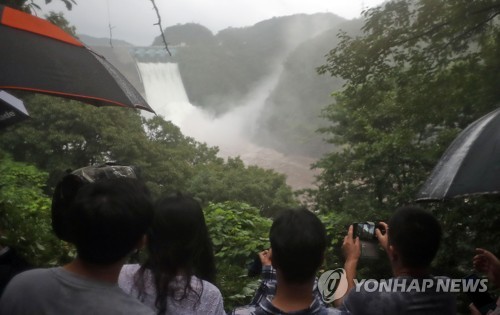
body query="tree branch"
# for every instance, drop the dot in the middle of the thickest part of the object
(159, 25)
(110, 35)
(110, 27)
(436, 27)
(472, 30)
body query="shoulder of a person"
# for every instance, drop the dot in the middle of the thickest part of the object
(209, 285)
(126, 277)
(31, 274)
(30, 282)
(210, 289)
(357, 298)
(130, 268)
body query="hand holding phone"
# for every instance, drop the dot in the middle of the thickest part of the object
(482, 301)
(370, 235)
(382, 235)
(351, 246)
(366, 231)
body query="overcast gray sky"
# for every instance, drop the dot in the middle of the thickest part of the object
(132, 20)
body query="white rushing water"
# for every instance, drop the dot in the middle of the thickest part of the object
(165, 91)
(231, 132)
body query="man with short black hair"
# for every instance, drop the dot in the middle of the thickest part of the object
(68, 187)
(411, 242)
(108, 220)
(298, 243)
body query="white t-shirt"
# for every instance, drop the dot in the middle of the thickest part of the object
(210, 298)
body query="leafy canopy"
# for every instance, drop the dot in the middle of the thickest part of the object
(25, 214)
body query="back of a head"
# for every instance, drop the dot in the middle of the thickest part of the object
(67, 189)
(178, 238)
(415, 234)
(108, 219)
(298, 243)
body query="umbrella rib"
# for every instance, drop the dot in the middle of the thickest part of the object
(70, 95)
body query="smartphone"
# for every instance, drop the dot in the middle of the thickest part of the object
(483, 301)
(368, 240)
(365, 231)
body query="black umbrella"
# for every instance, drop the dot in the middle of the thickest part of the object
(470, 165)
(12, 110)
(38, 56)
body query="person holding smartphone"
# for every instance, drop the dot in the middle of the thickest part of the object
(411, 241)
(486, 262)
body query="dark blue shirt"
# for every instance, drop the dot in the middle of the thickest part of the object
(404, 300)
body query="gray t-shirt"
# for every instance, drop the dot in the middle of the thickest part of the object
(373, 298)
(56, 291)
(206, 301)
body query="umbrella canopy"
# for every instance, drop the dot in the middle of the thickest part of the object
(12, 110)
(470, 165)
(40, 57)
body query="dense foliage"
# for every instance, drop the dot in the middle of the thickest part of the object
(25, 214)
(238, 233)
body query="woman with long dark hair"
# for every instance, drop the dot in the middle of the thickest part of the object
(177, 276)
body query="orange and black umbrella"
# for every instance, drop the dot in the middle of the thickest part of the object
(38, 56)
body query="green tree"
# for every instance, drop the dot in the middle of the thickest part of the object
(233, 180)
(172, 158)
(25, 214)
(64, 134)
(238, 233)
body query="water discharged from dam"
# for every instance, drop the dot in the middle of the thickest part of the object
(231, 131)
